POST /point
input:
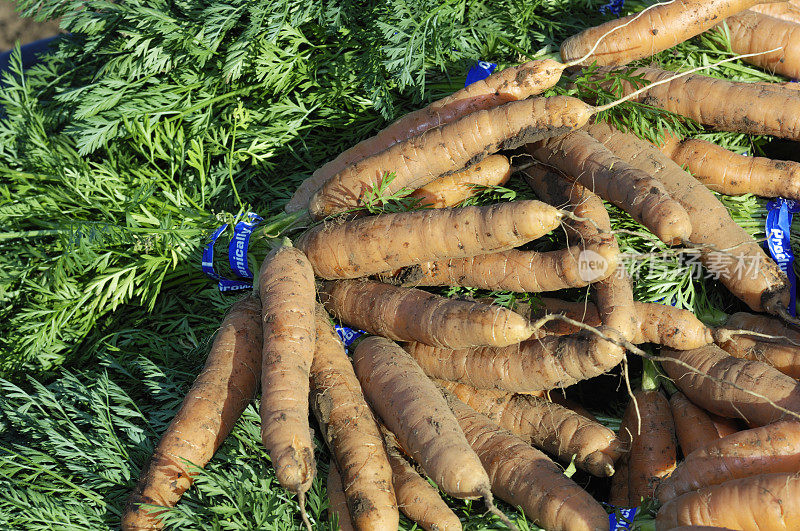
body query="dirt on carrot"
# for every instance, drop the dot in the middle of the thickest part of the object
(217, 398)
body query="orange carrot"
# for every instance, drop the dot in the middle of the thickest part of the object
(533, 365)
(767, 501)
(725, 385)
(351, 432)
(755, 32)
(218, 396)
(414, 410)
(512, 84)
(618, 494)
(451, 190)
(653, 451)
(633, 190)
(546, 425)
(693, 426)
(525, 477)
(286, 285)
(449, 148)
(657, 323)
(359, 248)
(663, 27)
(729, 173)
(418, 500)
(405, 314)
(782, 352)
(520, 271)
(783, 10)
(337, 503)
(768, 449)
(700, 528)
(752, 108)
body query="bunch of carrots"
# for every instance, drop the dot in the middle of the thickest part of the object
(455, 390)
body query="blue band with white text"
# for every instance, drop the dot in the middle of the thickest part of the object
(624, 521)
(778, 227)
(237, 249)
(481, 70)
(237, 254)
(348, 335)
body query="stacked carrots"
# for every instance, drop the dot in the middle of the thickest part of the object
(456, 386)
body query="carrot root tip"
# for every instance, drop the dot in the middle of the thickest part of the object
(784, 314)
(488, 500)
(301, 498)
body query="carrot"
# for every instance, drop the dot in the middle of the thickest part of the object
(755, 32)
(415, 496)
(782, 352)
(724, 426)
(693, 425)
(653, 451)
(728, 250)
(351, 432)
(618, 493)
(551, 427)
(633, 190)
(664, 26)
(729, 173)
(286, 286)
(616, 306)
(405, 314)
(779, 86)
(767, 501)
(585, 312)
(217, 398)
(657, 323)
(337, 503)
(451, 190)
(530, 366)
(511, 84)
(760, 324)
(700, 528)
(614, 293)
(359, 248)
(457, 145)
(731, 387)
(528, 271)
(520, 271)
(767, 449)
(789, 11)
(751, 108)
(525, 477)
(414, 410)
(448, 148)
(561, 399)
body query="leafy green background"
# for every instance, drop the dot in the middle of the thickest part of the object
(155, 122)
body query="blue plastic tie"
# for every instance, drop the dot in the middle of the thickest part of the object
(237, 249)
(237, 255)
(624, 522)
(779, 227)
(348, 335)
(614, 7)
(480, 71)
